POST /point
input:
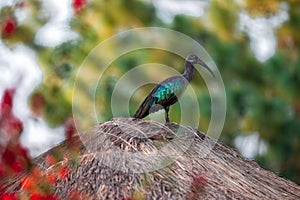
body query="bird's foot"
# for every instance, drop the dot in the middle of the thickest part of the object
(168, 123)
(135, 119)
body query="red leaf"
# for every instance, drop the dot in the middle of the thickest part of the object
(51, 178)
(9, 196)
(1, 169)
(36, 173)
(50, 197)
(8, 26)
(17, 166)
(26, 183)
(42, 197)
(10, 125)
(70, 128)
(7, 102)
(16, 158)
(13, 125)
(9, 157)
(78, 5)
(35, 197)
(50, 160)
(63, 172)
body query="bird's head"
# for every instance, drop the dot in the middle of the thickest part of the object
(193, 59)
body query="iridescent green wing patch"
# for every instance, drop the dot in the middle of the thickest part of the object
(168, 89)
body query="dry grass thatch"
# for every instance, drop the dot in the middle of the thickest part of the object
(137, 159)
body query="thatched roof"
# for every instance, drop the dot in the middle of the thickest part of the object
(137, 159)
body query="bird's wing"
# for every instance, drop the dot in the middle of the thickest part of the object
(170, 90)
(145, 106)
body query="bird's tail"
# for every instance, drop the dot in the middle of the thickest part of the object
(144, 108)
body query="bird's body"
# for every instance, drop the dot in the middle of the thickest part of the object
(169, 91)
(164, 94)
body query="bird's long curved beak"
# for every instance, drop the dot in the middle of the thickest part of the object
(200, 62)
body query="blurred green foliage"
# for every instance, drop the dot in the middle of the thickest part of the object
(262, 97)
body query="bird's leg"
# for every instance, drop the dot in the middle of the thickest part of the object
(167, 114)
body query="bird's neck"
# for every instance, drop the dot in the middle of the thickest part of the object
(189, 71)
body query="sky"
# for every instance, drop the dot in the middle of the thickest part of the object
(37, 136)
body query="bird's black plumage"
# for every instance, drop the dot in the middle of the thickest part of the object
(166, 93)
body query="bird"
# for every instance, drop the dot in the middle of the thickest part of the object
(167, 92)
